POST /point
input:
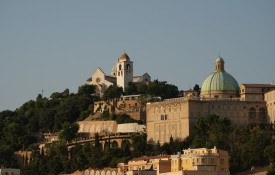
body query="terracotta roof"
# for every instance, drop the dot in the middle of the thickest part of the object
(258, 85)
(124, 57)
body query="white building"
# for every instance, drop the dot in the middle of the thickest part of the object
(121, 75)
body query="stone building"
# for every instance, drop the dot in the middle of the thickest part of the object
(191, 162)
(201, 159)
(157, 164)
(220, 95)
(270, 103)
(121, 75)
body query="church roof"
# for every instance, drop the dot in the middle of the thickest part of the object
(124, 57)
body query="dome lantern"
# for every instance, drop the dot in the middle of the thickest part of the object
(219, 64)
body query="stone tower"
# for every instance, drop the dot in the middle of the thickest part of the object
(124, 69)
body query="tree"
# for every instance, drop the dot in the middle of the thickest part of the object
(113, 92)
(197, 89)
(68, 131)
(139, 144)
(6, 156)
(271, 169)
(210, 131)
(131, 89)
(86, 89)
(14, 135)
(162, 90)
(269, 152)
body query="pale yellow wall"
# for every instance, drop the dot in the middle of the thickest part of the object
(254, 92)
(270, 103)
(164, 119)
(201, 159)
(161, 165)
(190, 172)
(176, 116)
(220, 94)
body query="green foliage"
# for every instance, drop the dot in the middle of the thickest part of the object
(69, 131)
(124, 118)
(113, 92)
(155, 88)
(139, 144)
(210, 131)
(174, 146)
(269, 152)
(57, 95)
(6, 156)
(197, 89)
(247, 146)
(271, 169)
(43, 115)
(131, 89)
(86, 89)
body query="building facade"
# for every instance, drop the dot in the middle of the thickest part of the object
(159, 164)
(220, 95)
(255, 92)
(201, 159)
(132, 105)
(191, 162)
(122, 73)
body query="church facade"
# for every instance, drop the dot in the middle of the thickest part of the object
(121, 75)
(220, 95)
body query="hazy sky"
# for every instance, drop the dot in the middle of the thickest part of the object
(54, 45)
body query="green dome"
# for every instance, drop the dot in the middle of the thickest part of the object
(220, 81)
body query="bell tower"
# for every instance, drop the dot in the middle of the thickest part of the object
(124, 69)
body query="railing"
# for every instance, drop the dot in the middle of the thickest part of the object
(201, 99)
(103, 137)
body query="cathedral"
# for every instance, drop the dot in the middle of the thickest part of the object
(221, 95)
(121, 75)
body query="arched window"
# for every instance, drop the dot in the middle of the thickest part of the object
(252, 113)
(119, 67)
(114, 144)
(128, 67)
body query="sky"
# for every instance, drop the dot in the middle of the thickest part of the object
(53, 45)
